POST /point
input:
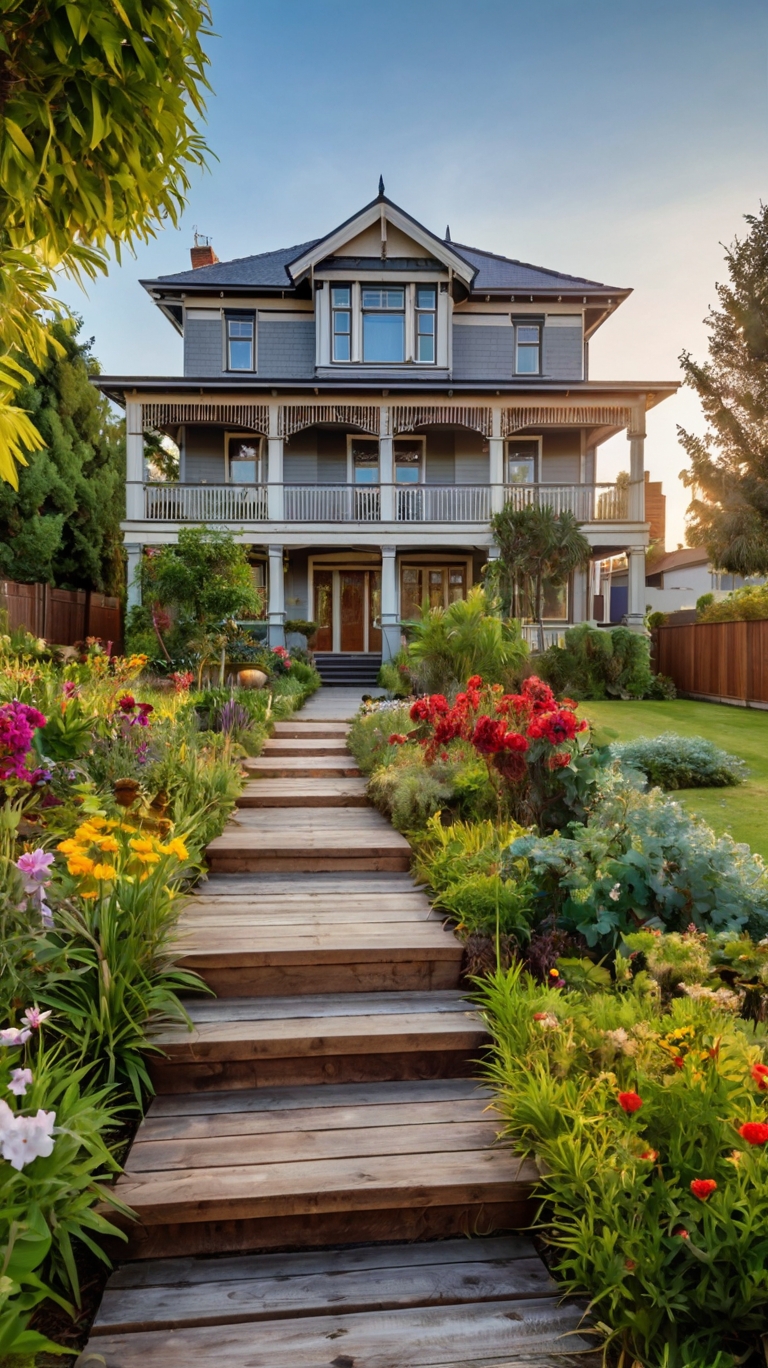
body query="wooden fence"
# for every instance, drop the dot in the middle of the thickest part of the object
(723, 662)
(62, 616)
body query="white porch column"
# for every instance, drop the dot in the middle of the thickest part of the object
(133, 586)
(496, 463)
(134, 462)
(386, 467)
(636, 436)
(275, 498)
(276, 607)
(636, 592)
(390, 618)
(580, 592)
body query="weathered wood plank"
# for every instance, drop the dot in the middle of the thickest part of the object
(282, 793)
(237, 1038)
(322, 1005)
(424, 969)
(330, 1095)
(239, 1123)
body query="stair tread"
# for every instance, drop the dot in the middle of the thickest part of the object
(319, 1096)
(322, 1005)
(251, 1037)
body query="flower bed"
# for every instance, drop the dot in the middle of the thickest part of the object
(109, 792)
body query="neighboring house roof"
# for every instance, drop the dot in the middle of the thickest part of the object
(678, 560)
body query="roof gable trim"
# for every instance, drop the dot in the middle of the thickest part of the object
(329, 245)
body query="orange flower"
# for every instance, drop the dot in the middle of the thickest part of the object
(104, 871)
(703, 1188)
(80, 865)
(650, 1155)
(108, 843)
(176, 847)
(69, 847)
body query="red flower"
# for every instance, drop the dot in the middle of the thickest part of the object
(631, 1102)
(754, 1132)
(682, 1232)
(651, 1155)
(630, 1265)
(679, 1062)
(554, 727)
(703, 1188)
(760, 1075)
(559, 761)
(127, 703)
(397, 739)
(490, 736)
(476, 682)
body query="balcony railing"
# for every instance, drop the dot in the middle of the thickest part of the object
(342, 503)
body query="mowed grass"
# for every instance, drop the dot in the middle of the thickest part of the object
(740, 811)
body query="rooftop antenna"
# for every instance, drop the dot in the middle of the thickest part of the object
(447, 237)
(381, 185)
(201, 240)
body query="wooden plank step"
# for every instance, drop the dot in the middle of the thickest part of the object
(535, 1332)
(297, 726)
(319, 1097)
(306, 746)
(298, 883)
(309, 1184)
(236, 1045)
(168, 1294)
(311, 840)
(282, 793)
(254, 911)
(299, 767)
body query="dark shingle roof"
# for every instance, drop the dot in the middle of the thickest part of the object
(268, 269)
(503, 273)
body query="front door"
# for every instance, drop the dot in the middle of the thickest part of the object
(352, 589)
(347, 610)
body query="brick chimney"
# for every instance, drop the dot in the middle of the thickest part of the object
(202, 253)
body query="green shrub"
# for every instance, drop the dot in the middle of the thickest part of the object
(486, 903)
(655, 619)
(599, 663)
(446, 646)
(368, 737)
(702, 604)
(680, 762)
(642, 859)
(743, 605)
(409, 793)
(676, 1274)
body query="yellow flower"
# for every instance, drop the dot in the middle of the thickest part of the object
(70, 847)
(90, 893)
(142, 845)
(108, 843)
(87, 833)
(176, 847)
(126, 826)
(104, 871)
(80, 864)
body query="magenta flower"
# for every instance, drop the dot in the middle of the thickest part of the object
(20, 1081)
(13, 1036)
(35, 865)
(35, 1018)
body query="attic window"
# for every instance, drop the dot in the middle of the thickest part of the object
(240, 331)
(383, 324)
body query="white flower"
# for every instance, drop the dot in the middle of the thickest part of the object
(27, 1138)
(13, 1036)
(615, 892)
(20, 1080)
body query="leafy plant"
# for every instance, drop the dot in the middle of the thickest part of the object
(744, 605)
(446, 646)
(539, 549)
(597, 663)
(679, 762)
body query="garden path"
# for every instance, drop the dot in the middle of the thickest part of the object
(323, 1113)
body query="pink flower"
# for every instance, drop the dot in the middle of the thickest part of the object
(13, 1036)
(24, 1138)
(20, 1081)
(35, 1018)
(35, 864)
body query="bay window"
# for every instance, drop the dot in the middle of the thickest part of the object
(383, 324)
(341, 309)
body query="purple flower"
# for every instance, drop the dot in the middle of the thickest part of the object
(35, 1018)
(20, 1081)
(35, 865)
(12, 1036)
(70, 689)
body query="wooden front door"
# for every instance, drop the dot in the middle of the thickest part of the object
(352, 596)
(374, 610)
(323, 614)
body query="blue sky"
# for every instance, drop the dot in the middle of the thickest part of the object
(620, 141)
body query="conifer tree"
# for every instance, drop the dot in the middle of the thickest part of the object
(729, 465)
(62, 525)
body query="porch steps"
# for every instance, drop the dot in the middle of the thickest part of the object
(307, 730)
(284, 793)
(315, 839)
(340, 766)
(347, 669)
(303, 745)
(319, 1115)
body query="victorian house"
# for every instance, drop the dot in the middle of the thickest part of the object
(355, 408)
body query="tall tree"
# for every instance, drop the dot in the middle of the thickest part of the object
(97, 139)
(729, 465)
(61, 525)
(539, 548)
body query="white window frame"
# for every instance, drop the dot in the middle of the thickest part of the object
(528, 346)
(258, 441)
(410, 314)
(417, 313)
(228, 316)
(353, 437)
(537, 444)
(422, 442)
(350, 309)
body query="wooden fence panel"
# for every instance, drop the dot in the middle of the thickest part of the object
(723, 661)
(24, 604)
(104, 619)
(65, 616)
(62, 616)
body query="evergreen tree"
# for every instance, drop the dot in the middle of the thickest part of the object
(62, 525)
(729, 465)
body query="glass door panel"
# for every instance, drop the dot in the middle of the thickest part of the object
(323, 614)
(374, 610)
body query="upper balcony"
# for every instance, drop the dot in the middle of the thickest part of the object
(374, 503)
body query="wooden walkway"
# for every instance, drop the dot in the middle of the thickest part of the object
(318, 1150)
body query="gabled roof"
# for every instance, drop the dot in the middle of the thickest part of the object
(495, 272)
(267, 268)
(678, 560)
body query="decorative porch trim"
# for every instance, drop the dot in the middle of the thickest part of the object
(293, 417)
(563, 415)
(234, 413)
(405, 417)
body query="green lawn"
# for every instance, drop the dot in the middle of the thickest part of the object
(742, 811)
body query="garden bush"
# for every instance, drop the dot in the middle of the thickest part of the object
(649, 1124)
(743, 605)
(446, 646)
(679, 762)
(599, 662)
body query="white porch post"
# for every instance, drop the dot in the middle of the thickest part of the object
(134, 462)
(580, 594)
(636, 592)
(390, 619)
(636, 436)
(386, 467)
(133, 585)
(275, 498)
(496, 463)
(276, 609)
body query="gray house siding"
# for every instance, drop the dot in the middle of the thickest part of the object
(203, 455)
(561, 458)
(202, 346)
(440, 462)
(300, 459)
(286, 348)
(563, 351)
(483, 353)
(472, 460)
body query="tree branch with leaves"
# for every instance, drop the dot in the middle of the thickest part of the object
(539, 549)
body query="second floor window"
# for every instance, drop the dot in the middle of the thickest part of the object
(528, 348)
(240, 337)
(426, 304)
(383, 324)
(341, 303)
